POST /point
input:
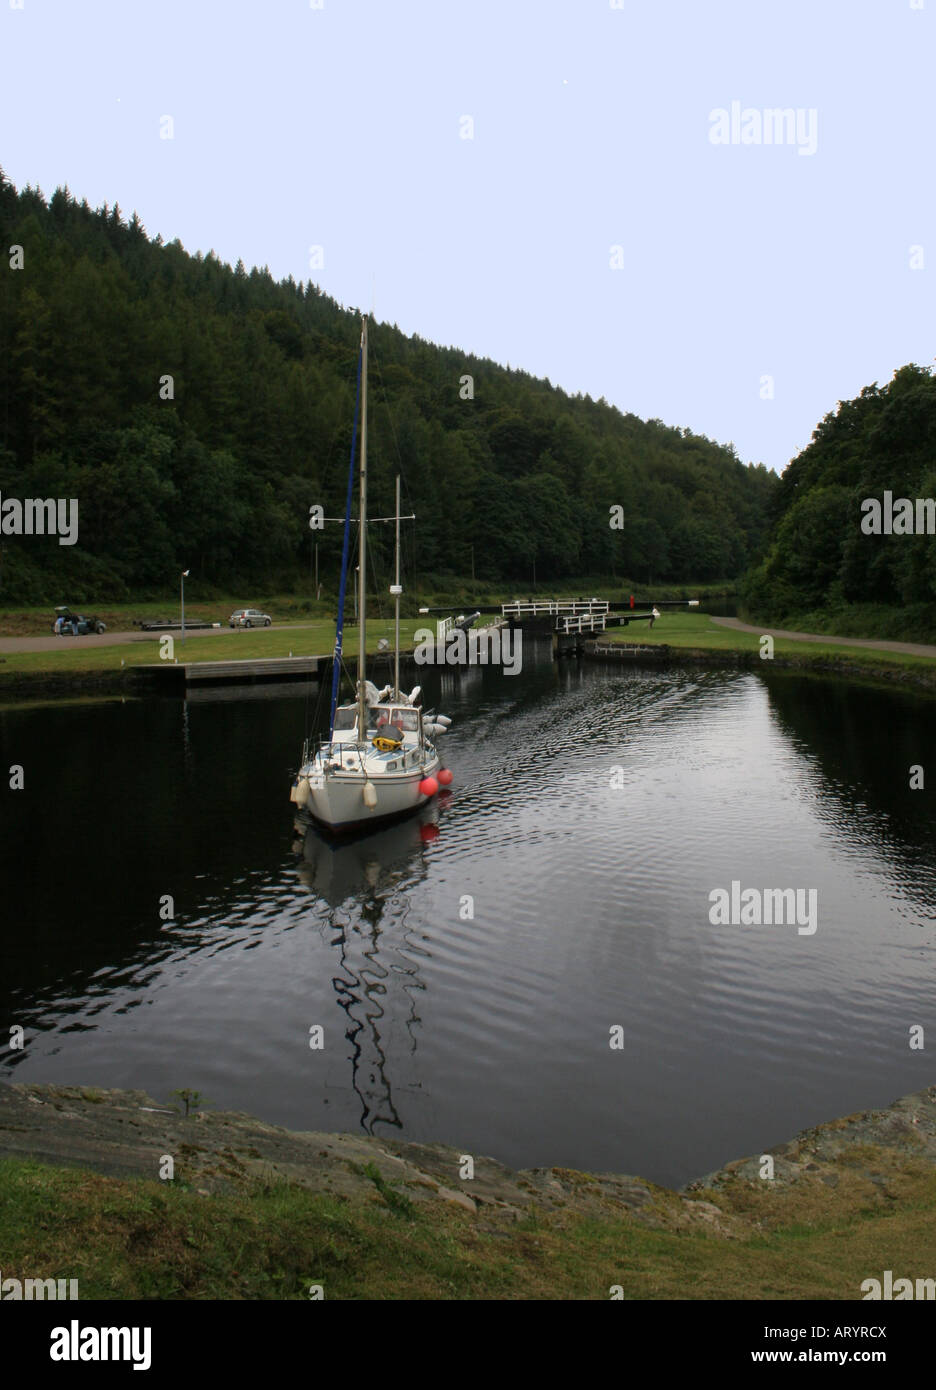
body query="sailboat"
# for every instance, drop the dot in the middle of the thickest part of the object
(379, 760)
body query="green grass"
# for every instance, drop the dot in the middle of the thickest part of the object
(122, 617)
(677, 629)
(698, 631)
(135, 1239)
(911, 623)
(433, 591)
(312, 639)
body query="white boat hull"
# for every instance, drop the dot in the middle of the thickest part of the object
(336, 799)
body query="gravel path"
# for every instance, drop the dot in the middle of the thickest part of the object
(908, 648)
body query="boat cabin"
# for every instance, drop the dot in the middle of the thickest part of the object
(383, 721)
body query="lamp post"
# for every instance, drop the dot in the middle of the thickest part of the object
(184, 573)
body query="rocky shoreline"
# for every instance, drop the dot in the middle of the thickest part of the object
(862, 1159)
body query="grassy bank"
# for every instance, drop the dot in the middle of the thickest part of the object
(913, 623)
(136, 1239)
(74, 665)
(290, 608)
(72, 656)
(123, 617)
(697, 631)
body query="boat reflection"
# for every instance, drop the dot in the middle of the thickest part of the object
(367, 864)
(364, 884)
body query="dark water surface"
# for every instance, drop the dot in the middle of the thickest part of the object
(590, 911)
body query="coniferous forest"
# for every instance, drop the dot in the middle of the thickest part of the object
(220, 475)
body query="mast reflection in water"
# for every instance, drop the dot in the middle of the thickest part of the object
(360, 882)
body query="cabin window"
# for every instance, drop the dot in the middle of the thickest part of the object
(345, 718)
(406, 719)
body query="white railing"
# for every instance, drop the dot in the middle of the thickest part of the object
(552, 607)
(584, 622)
(443, 627)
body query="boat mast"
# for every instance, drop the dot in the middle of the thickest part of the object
(362, 544)
(396, 626)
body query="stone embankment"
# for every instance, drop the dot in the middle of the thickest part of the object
(864, 1156)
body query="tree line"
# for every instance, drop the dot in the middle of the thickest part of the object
(217, 469)
(824, 549)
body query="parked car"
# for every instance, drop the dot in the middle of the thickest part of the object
(69, 624)
(249, 617)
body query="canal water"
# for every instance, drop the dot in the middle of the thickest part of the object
(165, 925)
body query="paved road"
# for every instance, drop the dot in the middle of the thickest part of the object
(908, 648)
(51, 643)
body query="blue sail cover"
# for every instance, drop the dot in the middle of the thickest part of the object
(339, 626)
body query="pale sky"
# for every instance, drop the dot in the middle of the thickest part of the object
(341, 127)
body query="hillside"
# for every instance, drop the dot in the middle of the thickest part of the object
(824, 558)
(221, 476)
